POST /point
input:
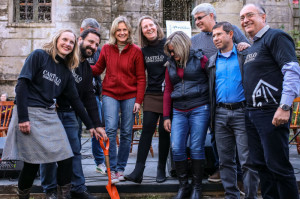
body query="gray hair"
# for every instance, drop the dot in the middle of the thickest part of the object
(114, 27)
(4, 94)
(182, 45)
(90, 23)
(143, 41)
(207, 8)
(259, 7)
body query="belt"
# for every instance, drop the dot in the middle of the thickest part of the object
(232, 106)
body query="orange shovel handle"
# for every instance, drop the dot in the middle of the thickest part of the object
(106, 147)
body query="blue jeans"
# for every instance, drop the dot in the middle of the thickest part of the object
(48, 171)
(231, 135)
(194, 122)
(269, 151)
(96, 148)
(111, 109)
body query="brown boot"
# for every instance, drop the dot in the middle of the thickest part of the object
(24, 194)
(63, 192)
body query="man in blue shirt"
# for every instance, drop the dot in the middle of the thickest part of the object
(205, 18)
(227, 113)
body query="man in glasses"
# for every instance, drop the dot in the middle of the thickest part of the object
(271, 77)
(205, 18)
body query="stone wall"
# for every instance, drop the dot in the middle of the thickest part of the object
(18, 40)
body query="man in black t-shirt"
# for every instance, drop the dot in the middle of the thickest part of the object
(271, 77)
(91, 23)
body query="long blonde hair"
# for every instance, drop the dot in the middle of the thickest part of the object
(114, 27)
(182, 45)
(72, 59)
(143, 41)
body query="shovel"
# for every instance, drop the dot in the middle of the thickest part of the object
(111, 188)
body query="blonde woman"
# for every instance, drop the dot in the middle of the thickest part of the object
(152, 41)
(187, 88)
(123, 90)
(35, 134)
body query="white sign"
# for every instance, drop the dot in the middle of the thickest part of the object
(184, 26)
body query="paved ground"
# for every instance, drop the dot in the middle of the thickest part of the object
(148, 189)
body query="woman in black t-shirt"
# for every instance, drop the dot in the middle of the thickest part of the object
(35, 134)
(152, 40)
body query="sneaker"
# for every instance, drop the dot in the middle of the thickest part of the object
(215, 177)
(114, 177)
(101, 168)
(120, 175)
(51, 195)
(82, 195)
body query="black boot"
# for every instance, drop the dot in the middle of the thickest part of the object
(197, 169)
(161, 173)
(182, 175)
(24, 194)
(137, 174)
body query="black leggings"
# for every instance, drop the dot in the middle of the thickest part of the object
(149, 125)
(29, 171)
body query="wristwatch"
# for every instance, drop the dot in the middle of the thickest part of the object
(285, 107)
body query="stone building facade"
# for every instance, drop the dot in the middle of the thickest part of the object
(19, 37)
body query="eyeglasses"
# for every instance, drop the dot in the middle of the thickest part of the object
(200, 17)
(249, 15)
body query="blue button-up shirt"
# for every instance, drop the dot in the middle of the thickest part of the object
(228, 87)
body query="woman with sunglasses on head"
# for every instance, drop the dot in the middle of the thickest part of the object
(36, 134)
(187, 89)
(152, 40)
(123, 90)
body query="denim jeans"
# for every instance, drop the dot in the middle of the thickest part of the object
(269, 151)
(96, 148)
(231, 136)
(48, 171)
(111, 109)
(193, 123)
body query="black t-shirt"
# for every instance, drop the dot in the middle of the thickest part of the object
(83, 80)
(97, 85)
(262, 68)
(47, 79)
(154, 59)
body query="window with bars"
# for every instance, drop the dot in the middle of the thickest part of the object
(32, 11)
(178, 10)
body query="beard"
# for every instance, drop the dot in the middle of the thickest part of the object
(83, 51)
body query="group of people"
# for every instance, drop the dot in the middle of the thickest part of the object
(216, 79)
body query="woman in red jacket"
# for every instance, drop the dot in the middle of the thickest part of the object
(122, 89)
